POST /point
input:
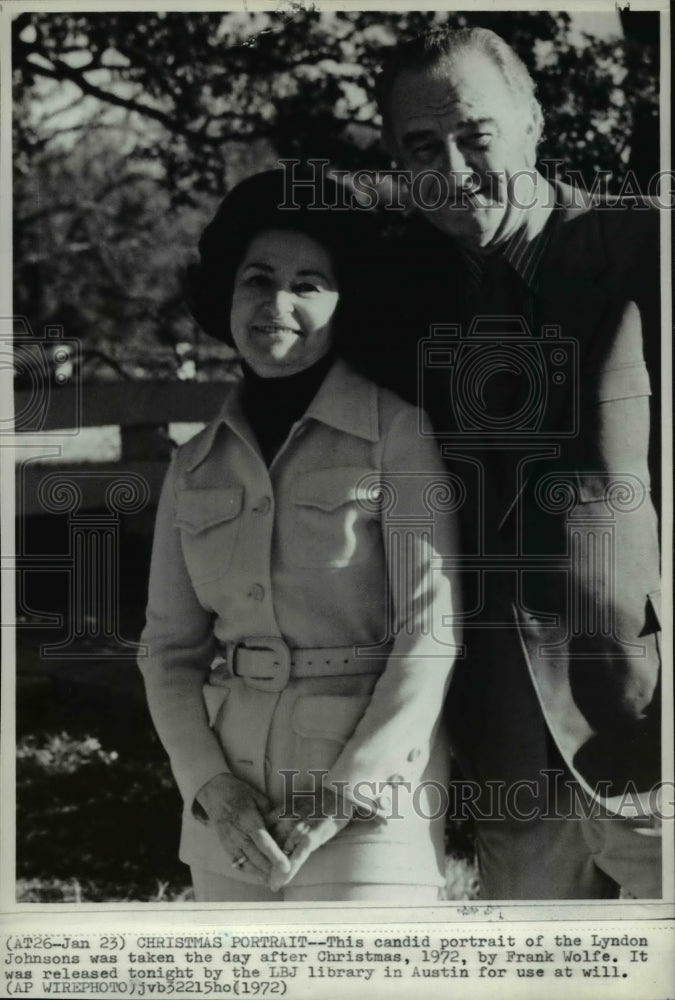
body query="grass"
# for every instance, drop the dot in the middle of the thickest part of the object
(96, 826)
(35, 890)
(98, 814)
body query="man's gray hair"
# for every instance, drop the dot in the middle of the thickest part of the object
(431, 49)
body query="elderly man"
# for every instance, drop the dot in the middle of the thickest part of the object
(522, 314)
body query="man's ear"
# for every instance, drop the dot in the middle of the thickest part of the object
(530, 142)
(533, 129)
(530, 150)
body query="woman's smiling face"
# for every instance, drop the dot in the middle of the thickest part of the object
(285, 295)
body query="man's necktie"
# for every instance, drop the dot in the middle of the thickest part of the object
(495, 288)
(496, 348)
(497, 322)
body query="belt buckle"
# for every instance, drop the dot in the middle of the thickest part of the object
(273, 676)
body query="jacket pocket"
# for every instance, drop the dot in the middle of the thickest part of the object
(322, 725)
(333, 526)
(328, 716)
(209, 522)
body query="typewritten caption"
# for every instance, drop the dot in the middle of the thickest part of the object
(488, 958)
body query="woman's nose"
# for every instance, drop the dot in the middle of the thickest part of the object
(280, 302)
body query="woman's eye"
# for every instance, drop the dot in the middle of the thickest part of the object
(306, 288)
(256, 280)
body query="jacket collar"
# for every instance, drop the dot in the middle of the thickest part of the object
(577, 249)
(346, 401)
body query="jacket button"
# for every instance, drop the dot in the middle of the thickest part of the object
(257, 592)
(395, 779)
(263, 506)
(414, 753)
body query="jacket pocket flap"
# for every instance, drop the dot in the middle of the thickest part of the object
(214, 699)
(654, 598)
(622, 382)
(331, 488)
(613, 488)
(197, 510)
(328, 716)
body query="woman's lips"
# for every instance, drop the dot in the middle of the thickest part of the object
(270, 329)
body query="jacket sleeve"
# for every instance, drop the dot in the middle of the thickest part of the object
(615, 519)
(177, 648)
(394, 738)
(613, 533)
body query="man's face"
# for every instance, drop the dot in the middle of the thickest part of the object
(461, 120)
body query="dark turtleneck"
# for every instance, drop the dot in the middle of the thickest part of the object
(272, 405)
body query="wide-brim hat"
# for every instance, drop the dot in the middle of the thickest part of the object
(302, 201)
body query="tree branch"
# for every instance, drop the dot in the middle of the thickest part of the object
(54, 112)
(61, 71)
(53, 209)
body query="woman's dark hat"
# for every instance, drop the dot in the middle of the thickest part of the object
(272, 200)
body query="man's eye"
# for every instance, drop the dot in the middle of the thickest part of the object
(425, 150)
(479, 140)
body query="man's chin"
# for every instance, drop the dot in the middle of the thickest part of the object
(471, 227)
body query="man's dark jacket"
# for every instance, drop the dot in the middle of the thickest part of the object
(560, 546)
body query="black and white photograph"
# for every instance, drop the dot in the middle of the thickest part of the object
(337, 480)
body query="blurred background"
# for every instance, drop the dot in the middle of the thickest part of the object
(128, 129)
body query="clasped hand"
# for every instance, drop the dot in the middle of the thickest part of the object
(267, 843)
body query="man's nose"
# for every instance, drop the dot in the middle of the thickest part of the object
(456, 166)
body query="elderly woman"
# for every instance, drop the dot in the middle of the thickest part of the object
(299, 640)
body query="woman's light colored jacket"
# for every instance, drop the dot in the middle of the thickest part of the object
(344, 541)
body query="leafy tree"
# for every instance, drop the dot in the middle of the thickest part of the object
(303, 82)
(129, 126)
(97, 250)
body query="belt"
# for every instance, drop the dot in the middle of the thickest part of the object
(267, 663)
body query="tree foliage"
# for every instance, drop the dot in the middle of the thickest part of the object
(124, 117)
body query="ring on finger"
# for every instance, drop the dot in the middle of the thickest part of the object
(239, 862)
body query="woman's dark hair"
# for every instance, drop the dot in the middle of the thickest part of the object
(275, 200)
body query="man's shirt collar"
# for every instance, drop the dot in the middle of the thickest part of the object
(525, 249)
